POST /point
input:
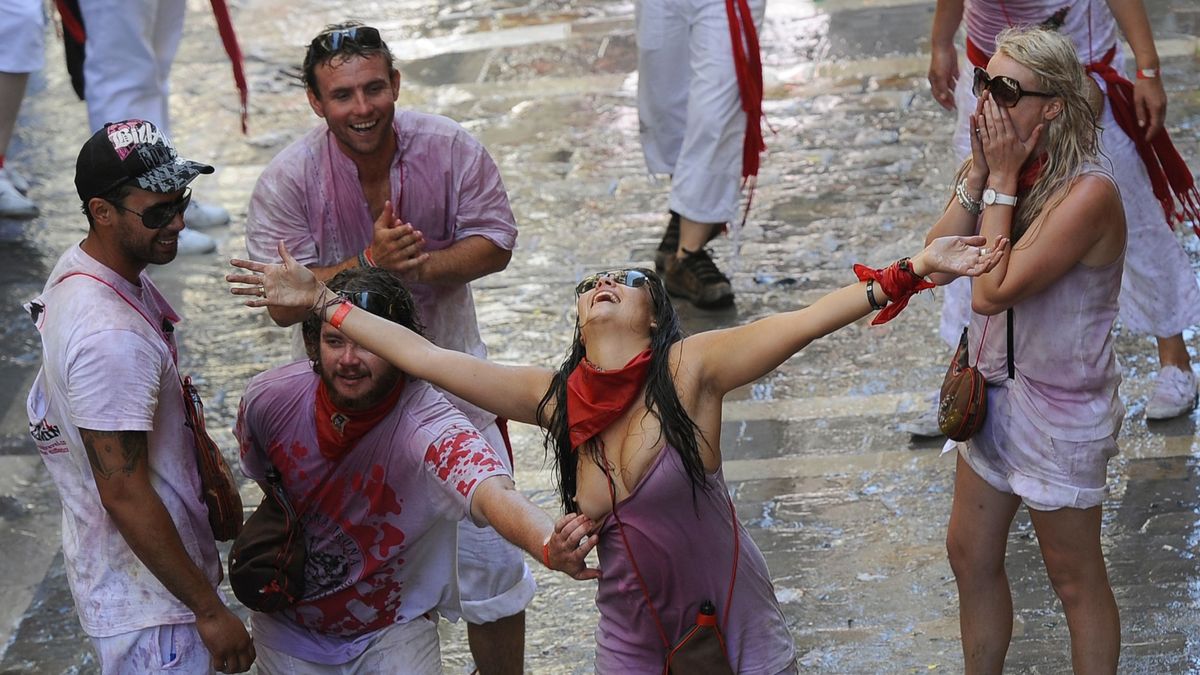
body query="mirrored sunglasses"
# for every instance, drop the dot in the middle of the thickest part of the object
(160, 215)
(1005, 90)
(333, 41)
(372, 301)
(630, 278)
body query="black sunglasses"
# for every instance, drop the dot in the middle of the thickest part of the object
(332, 42)
(160, 215)
(630, 278)
(371, 301)
(1005, 90)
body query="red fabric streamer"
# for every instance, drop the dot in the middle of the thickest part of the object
(747, 64)
(71, 23)
(229, 40)
(1168, 172)
(338, 430)
(596, 398)
(900, 284)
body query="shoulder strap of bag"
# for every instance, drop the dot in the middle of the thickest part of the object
(1011, 369)
(662, 633)
(120, 295)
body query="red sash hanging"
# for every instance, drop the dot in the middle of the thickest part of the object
(1167, 171)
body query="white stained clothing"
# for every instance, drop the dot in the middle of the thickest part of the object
(176, 649)
(110, 366)
(690, 113)
(1088, 23)
(411, 648)
(130, 47)
(1159, 295)
(22, 36)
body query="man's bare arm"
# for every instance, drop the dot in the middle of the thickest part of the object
(120, 469)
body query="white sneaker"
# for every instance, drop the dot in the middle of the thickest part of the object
(1174, 394)
(200, 216)
(192, 242)
(925, 425)
(17, 179)
(13, 204)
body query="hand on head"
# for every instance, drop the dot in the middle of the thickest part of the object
(286, 284)
(997, 139)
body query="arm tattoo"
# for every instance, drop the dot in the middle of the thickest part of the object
(110, 452)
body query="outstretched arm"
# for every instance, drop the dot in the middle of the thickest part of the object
(513, 392)
(733, 357)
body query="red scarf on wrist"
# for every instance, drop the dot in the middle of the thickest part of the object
(338, 430)
(595, 397)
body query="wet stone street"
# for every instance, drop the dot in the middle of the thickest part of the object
(849, 512)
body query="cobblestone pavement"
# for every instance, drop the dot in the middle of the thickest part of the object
(849, 512)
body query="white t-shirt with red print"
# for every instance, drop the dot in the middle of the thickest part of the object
(379, 521)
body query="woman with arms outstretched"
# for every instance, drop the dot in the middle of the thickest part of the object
(1053, 416)
(633, 417)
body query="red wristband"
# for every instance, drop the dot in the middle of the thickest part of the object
(370, 259)
(546, 554)
(1147, 73)
(340, 315)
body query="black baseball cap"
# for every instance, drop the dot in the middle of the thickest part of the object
(133, 151)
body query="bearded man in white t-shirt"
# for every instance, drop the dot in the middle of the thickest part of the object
(107, 414)
(380, 468)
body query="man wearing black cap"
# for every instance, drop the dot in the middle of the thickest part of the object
(107, 414)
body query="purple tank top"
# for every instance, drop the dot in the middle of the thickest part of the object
(1066, 371)
(685, 554)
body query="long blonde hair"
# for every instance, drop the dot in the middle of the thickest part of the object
(1072, 138)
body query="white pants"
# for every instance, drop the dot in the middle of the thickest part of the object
(167, 649)
(1159, 295)
(130, 47)
(22, 36)
(690, 112)
(410, 648)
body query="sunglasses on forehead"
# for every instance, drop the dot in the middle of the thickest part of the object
(630, 278)
(1006, 91)
(371, 301)
(333, 41)
(160, 215)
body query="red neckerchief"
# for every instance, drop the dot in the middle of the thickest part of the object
(338, 430)
(595, 398)
(1031, 172)
(1167, 171)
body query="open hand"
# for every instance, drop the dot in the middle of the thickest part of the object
(943, 75)
(286, 284)
(570, 544)
(960, 256)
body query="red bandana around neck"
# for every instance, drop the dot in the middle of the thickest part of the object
(1031, 172)
(339, 430)
(595, 397)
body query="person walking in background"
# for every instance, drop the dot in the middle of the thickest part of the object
(107, 413)
(699, 109)
(1159, 294)
(22, 27)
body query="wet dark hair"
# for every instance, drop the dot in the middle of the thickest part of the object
(116, 195)
(662, 401)
(400, 307)
(348, 49)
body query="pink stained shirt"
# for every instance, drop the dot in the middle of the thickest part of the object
(444, 183)
(109, 365)
(380, 522)
(1088, 23)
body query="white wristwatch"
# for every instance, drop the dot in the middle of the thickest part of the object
(990, 197)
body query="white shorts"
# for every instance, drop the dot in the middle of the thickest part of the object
(169, 649)
(410, 648)
(22, 36)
